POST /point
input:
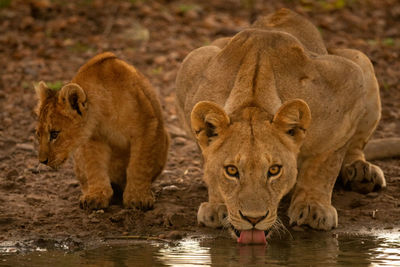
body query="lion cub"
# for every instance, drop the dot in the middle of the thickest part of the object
(110, 119)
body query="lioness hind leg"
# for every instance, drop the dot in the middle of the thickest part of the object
(356, 172)
(363, 177)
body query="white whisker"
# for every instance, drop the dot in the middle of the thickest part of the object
(280, 228)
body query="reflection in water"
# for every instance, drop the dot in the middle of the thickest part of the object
(389, 251)
(305, 248)
(187, 253)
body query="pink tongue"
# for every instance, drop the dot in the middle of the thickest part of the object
(253, 236)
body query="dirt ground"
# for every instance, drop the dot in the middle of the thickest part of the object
(49, 40)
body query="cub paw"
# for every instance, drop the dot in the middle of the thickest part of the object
(363, 177)
(314, 214)
(95, 200)
(212, 214)
(143, 200)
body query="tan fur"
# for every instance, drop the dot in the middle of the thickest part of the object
(110, 119)
(270, 96)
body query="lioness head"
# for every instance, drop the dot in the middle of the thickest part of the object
(61, 122)
(250, 158)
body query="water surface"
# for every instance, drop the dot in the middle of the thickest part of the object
(299, 249)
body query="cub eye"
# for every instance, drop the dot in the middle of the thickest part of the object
(274, 170)
(232, 171)
(291, 132)
(54, 135)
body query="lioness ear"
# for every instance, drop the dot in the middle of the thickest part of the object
(74, 97)
(208, 121)
(293, 118)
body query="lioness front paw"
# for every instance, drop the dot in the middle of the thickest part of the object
(212, 214)
(363, 177)
(314, 214)
(98, 199)
(143, 200)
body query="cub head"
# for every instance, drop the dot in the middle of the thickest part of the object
(61, 123)
(250, 159)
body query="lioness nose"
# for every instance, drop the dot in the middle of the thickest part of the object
(44, 161)
(253, 220)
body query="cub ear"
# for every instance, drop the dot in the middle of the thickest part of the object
(74, 97)
(293, 118)
(42, 93)
(208, 121)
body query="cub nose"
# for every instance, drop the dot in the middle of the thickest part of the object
(44, 161)
(253, 220)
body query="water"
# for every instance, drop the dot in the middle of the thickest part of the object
(302, 249)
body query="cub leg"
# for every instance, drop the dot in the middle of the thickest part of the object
(311, 200)
(212, 213)
(147, 160)
(91, 168)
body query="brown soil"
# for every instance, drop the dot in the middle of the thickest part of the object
(49, 40)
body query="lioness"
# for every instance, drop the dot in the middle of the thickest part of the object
(110, 119)
(271, 109)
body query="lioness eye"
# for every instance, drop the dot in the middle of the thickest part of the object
(232, 171)
(274, 170)
(53, 134)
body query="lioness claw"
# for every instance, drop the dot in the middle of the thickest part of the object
(316, 215)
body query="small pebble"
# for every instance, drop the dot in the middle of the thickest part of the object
(372, 195)
(176, 131)
(177, 220)
(27, 147)
(179, 141)
(356, 203)
(21, 179)
(12, 174)
(171, 188)
(373, 214)
(175, 235)
(94, 220)
(162, 236)
(160, 60)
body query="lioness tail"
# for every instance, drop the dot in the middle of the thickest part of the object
(382, 148)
